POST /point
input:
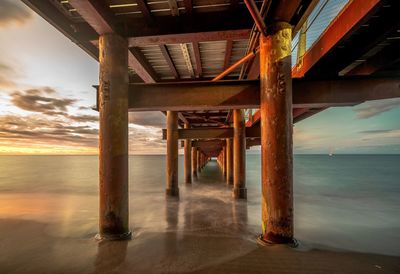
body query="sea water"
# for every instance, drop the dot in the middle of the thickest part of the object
(347, 202)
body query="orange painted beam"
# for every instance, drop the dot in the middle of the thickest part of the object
(351, 16)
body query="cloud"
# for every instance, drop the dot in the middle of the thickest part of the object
(13, 12)
(146, 140)
(376, 131)
(148, 118)
(82, 118)
(371, 109)
(45, 132)
(36, 130)
(52, 125)
(37, 100)
(381, 135)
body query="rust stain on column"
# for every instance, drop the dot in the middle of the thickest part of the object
(239, 155)
(172, 154)
(113, 138)
(229, 162)
(188, 159)
(276, 135)
(194, 162)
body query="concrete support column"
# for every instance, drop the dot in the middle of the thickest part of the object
(113, 138)
(194, 162)
(229, 161)
(172, 154)
(224, 161)
(276, 134)
(239, 155)
(198, 160)
(188, 159)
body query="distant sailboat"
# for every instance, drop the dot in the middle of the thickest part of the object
(331, 151)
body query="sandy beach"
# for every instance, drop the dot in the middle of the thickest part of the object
(31, 247)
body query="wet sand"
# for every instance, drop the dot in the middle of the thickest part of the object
(206, 231)
(29, 247)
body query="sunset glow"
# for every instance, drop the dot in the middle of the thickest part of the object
(46, 97)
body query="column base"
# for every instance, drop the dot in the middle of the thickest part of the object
(270, 239)
(188, 179)
(239, 193)
(172, 191)
(114, 237)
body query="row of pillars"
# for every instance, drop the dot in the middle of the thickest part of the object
(194, 158)
(276, 138)
(232, 158)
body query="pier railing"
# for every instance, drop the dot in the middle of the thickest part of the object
(320, 18)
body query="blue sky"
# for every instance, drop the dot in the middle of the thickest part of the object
(46, 95)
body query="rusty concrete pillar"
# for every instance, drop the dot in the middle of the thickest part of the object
(224, 161)
(276, 134)
(229, 161)
(188, 158)
(239, 155)
(198, 160)
(194, 162)
(113, 138)
(172, 154)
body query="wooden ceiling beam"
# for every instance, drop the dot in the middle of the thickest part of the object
(173, 5)
(207, 120)
(197, 56)
(208, 145)
(170, 62)
(182, 118)
(212, 133)
(79, 33)
(96, 14)
(222, 95)
(180, 38)
(188, 6)
(101, 19)
(145, 10)
(139, 64)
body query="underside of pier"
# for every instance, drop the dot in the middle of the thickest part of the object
(222, 73)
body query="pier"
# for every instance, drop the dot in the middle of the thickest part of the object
(164, 57)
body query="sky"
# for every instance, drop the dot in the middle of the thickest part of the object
(46, 97)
